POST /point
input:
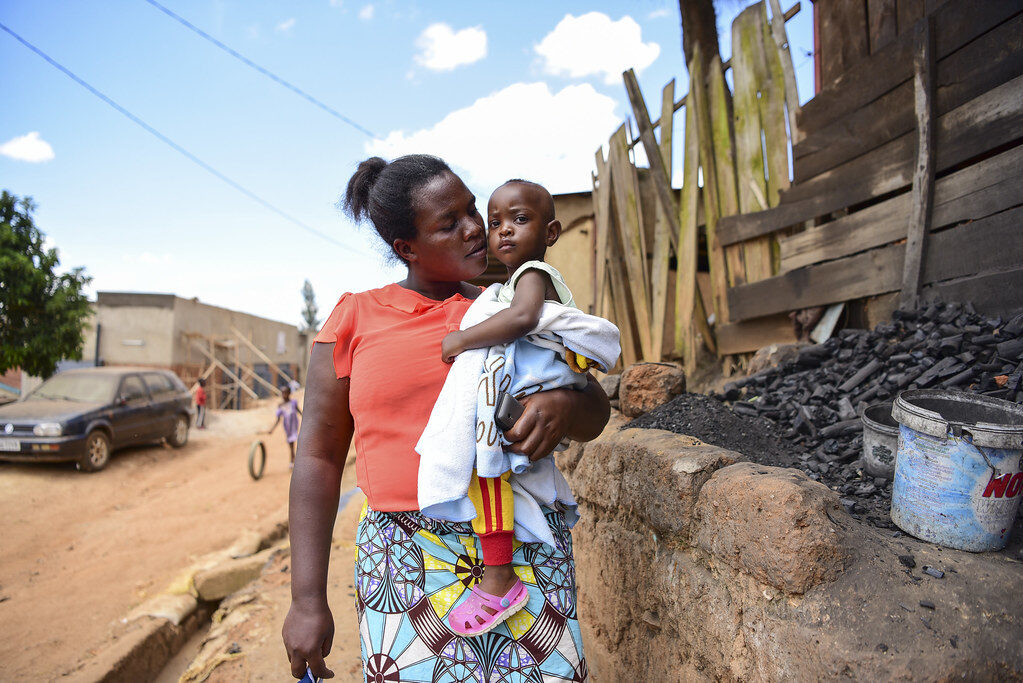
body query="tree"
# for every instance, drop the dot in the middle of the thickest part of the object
(312, 323)
(42, 314)
(699, 27)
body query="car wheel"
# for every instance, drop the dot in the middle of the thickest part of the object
(179, 437)
(97, 452)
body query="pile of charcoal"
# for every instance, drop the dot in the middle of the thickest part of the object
(817, 397)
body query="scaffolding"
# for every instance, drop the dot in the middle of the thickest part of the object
(231, 366)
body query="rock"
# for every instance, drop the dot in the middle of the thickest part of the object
(774, 524)
(773, 356)
(247, 543)
(227, 577)
(663, 492)
(647, 385)
(610, 384)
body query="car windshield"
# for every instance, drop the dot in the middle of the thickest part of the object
(85, 388)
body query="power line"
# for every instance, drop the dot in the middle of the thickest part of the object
(266, 72)
(175, 146)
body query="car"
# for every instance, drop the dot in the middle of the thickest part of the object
(86, 414)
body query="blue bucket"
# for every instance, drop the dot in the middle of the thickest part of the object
(958, 468)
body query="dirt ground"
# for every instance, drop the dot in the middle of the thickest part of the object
(80, 550)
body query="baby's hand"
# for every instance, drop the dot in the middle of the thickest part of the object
(451, 346)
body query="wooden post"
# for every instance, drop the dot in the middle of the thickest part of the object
(686, 293)
(923, 176)
(256, 350)
(227, 371)
(630, 232)
(601, 227)
(660, 165)
(665, 228)
(781, 42)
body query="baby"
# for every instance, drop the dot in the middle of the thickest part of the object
(522, 225)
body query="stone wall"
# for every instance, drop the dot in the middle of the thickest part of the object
(694, 565)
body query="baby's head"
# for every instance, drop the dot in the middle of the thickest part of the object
(521, 222)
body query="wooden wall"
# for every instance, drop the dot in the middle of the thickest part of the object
(842, 227)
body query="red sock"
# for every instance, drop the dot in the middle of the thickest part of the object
(497, 547)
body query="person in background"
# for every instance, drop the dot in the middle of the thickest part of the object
(288, 411)
(200, 405)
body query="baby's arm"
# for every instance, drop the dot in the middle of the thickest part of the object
(504, 326)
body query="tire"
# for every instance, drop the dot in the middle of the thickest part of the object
(179, 436)
(97, 452)
(257, 459)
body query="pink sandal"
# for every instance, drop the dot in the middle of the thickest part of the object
(470, 619)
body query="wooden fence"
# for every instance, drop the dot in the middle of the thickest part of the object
(650, 240)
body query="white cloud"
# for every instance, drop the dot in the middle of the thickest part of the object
(659, 13)
(442, 49)
(31, 148)
(592, 44)
(286, 25)
(366, 13)
(524, 131)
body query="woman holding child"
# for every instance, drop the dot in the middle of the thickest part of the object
(376, 370)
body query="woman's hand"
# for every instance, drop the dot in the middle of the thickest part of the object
(550, 416)
(308, 633)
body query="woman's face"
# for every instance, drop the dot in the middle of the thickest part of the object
(450, 243)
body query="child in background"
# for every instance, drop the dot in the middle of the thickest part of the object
(522, 225)
(200, 405)
(288, 412)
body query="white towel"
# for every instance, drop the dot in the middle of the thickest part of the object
(461, 434)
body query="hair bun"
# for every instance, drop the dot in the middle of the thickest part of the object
(356, 201)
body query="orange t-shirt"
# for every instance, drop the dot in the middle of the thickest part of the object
(387, 341)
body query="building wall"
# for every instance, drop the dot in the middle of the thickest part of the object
(573, 253)
(131, 332)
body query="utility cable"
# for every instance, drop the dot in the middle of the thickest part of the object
(175, 146)
(266, 72)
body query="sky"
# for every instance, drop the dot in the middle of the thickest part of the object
(498, 89)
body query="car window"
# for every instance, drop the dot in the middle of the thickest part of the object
(159, 385)
(132, 389)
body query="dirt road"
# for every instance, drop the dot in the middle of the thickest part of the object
(78, 551)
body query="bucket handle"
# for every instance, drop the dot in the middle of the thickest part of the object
(957, 429)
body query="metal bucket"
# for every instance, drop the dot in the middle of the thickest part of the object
(880, 440)
(958, 468)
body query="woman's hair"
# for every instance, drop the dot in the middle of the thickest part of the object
(383, 192)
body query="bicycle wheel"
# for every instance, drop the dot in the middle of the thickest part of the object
(257, 459)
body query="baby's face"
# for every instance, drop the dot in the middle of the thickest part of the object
(519, 223)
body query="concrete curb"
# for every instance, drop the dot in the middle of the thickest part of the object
(156, 630)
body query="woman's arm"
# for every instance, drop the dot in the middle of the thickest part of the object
(549, 416)
(315, 487)
(504, 326)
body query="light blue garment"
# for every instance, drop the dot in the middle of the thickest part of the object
(461, 434)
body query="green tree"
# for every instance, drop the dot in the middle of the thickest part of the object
(42, 314)
(309, 311)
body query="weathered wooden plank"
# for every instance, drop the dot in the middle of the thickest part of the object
(620, 306)
(660, 167)
(781, 42)
(750, 335)
(843, 36)
(770, 75)
(665, 229)
(991, 243)
(909, 12)
(998, 293)
(724, 166)
(750, 168)
(601, 226)
(923, 174)
(974, 192)
(955, 25)
(625, 189)
(711, 202)
(881, 23)
(991, 60)
(686, 264)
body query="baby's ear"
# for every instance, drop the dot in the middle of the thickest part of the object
(553, 231)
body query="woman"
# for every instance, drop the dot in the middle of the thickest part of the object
(374, 374)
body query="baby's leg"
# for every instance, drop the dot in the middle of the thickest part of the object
(495, 526)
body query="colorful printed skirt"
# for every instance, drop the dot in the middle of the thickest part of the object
(412, 570)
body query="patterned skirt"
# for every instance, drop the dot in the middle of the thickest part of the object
(412, 570)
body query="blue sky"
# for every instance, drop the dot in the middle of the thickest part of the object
(524, 89)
